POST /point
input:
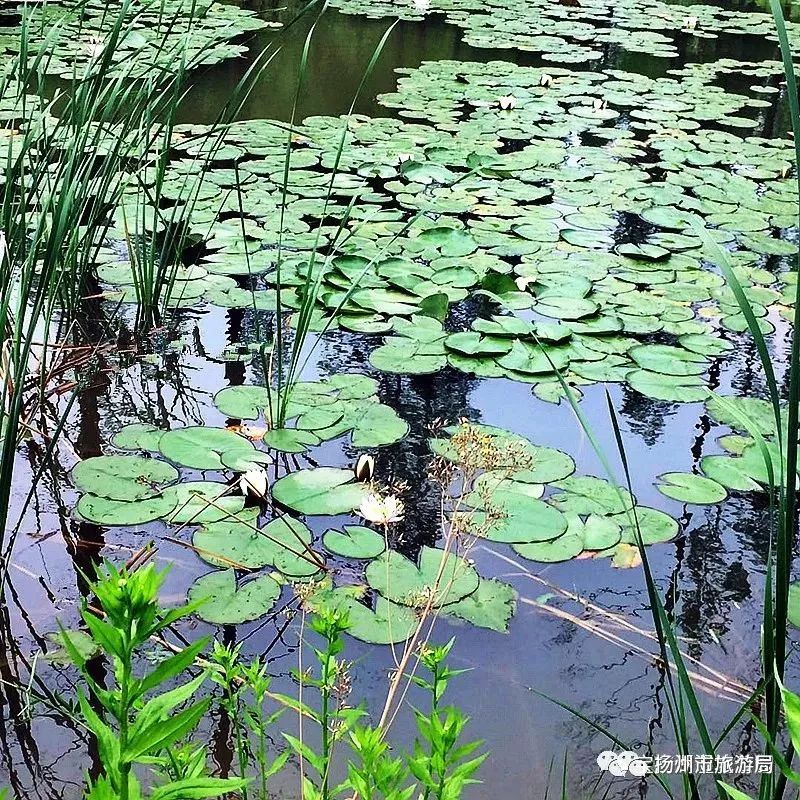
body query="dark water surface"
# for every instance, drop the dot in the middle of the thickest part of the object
(711, 576)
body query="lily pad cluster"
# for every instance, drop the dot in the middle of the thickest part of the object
(586, 220)
(134, 489)
(314, 412)
(548, 514)
(749, 463)
(156, 34)
(576, 33)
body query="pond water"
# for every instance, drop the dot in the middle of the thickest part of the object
(711, 574)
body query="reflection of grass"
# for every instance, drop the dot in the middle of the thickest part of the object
(62, 176)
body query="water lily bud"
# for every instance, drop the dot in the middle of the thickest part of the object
(253, 483)
(364, 468)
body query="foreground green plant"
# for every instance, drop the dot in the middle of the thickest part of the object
(440, 761)
(137, 720)
(246, 689)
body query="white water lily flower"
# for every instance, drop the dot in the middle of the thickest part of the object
(95, 46)
(254, 483)
(545, 80)
(381, 510)
(522, 282)
(364, 468)
(403, 157)
(689, 23)
(599, 104)
(507, 102)
(422, 5)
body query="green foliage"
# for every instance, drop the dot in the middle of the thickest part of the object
(137, 719)
(441, 763)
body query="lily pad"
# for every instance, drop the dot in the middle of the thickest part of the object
(118, 513)
(137, 436)
(388, 623)
(223, 602)
(201, 502)
(123, 477)
(402, 581)
(322, 490)
(490, 606)
(201, 448)
(355, 541)
(690, 488)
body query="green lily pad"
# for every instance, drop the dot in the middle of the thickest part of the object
(689, 488)
(223, 602)
(490, 606)
(356, 541)
(123, 477)
(201, 502)
(137, 436)
(673, 388)
(201, 448)
(653, 525)
(290, 440)
(564, 548)
(590, 495)
(322, 490)
(521, 519)
(597, 532)
(389, 623)
(119, 513)
(668, 360)
(729, 472)
(400, 580)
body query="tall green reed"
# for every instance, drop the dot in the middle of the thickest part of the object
(68, 162)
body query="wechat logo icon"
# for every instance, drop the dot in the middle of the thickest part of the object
(623, 764)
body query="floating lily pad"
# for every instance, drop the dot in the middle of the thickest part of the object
(322, 490)
(564, 548)
(388, 623)
(728, 472)
(689, 488)
(674, 388)
(653, 525)
(123, 477)
(118, 513)
(137, 436)
(224, 602)
(202, 448)
(491, 606)
(589, 495)
(517, 517)
(355, 541)
(402, 581)
(201, 502)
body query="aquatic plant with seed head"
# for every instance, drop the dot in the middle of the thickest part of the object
(381, 510)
